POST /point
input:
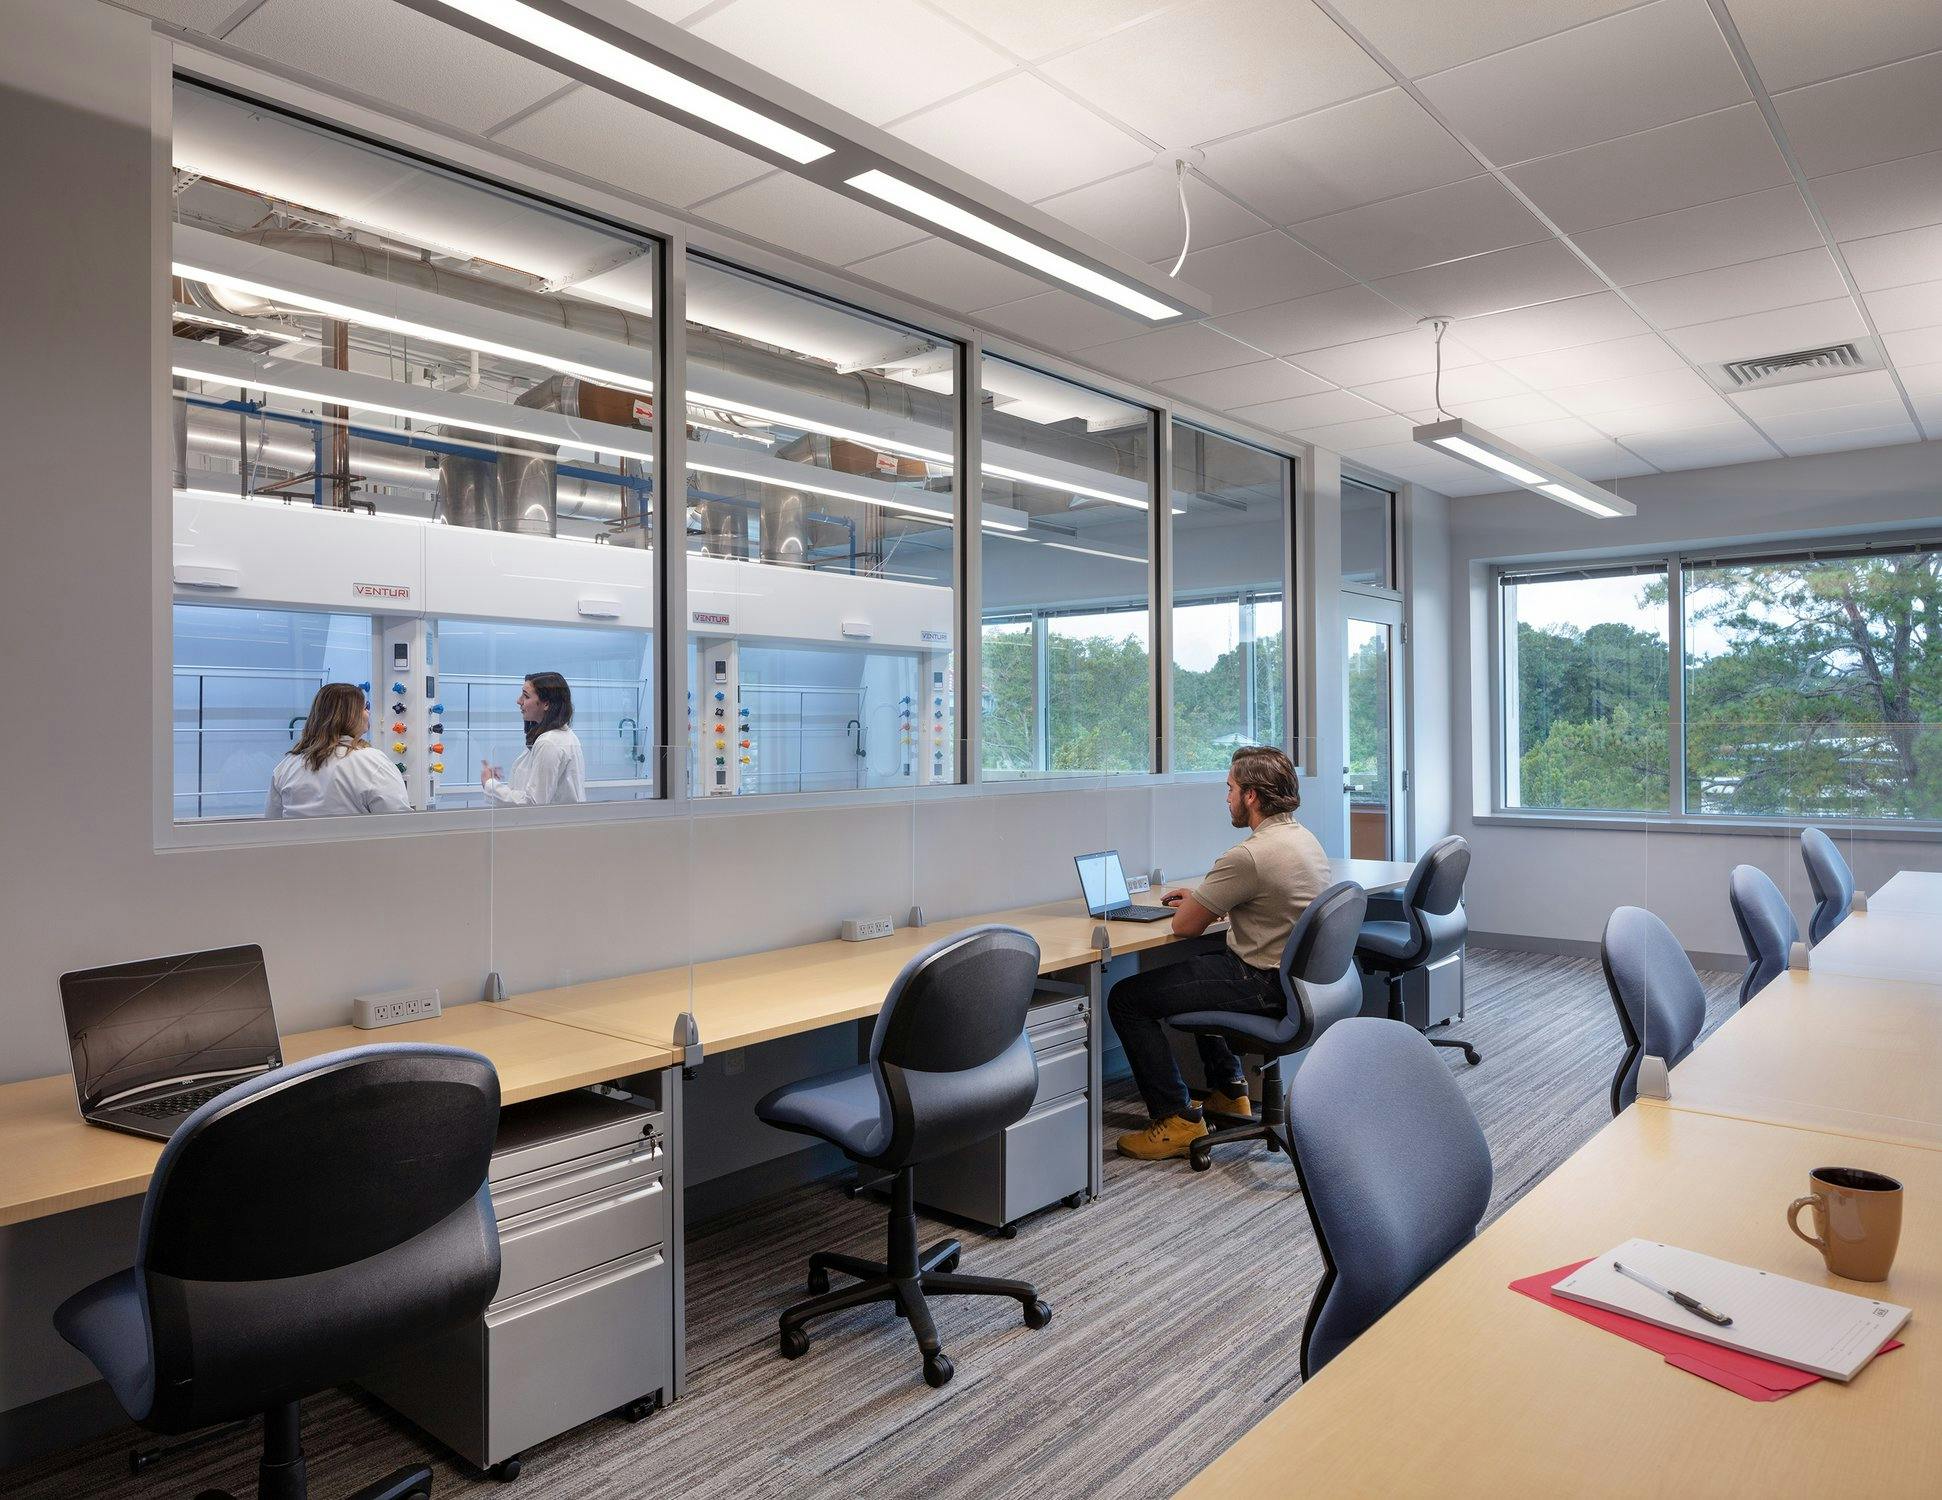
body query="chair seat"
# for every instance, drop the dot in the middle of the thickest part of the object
(108, 1323)
(1265, 1031)
(1391, 941)
(843, 1108)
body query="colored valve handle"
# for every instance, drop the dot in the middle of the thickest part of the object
(399, 747)
(398, 728)
(398, 689)
(438, 765)
(437, 748)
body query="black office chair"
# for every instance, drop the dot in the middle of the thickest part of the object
(1320, 985)
(949, 1065)
(300, 1229)
(1424, 927)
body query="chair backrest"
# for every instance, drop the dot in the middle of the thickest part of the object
(1660, 1002)
(1433, 900)
(1832, 880)
(952, 1061)
(307, 1224)
(1319, 979)
(1394, 1168)
(1767, 928)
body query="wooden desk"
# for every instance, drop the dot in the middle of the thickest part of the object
(54, 1161)
(1909, 891)
(1469, 1389)
(1902, 945)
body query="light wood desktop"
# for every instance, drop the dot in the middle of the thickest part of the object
(1468, 1388)
(1909, 891)
(56, 1161)
(1901, 945)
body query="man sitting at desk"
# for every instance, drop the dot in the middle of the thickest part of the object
(1261, 886)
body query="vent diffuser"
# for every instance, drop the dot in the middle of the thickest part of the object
(1764, 370)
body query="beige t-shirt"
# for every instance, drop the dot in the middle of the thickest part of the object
(1262, 885)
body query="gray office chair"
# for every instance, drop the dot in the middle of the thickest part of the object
(1394, 1167)
(949, 1065)
(1419, 930)
(1832, 880)
(1320, 985)
(290, 1241)
(1658, 997)
(1767, 928)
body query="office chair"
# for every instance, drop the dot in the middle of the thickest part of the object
(299, 1229)
(1658, 997)
(950, 1064)
(1767, 928)
(1320, 985)
(1428, 927)
(1394, 1167)
(1832, 880)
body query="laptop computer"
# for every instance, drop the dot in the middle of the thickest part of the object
(1103, 881)
(152, 1040)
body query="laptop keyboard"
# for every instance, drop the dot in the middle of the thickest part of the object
(179, 1104)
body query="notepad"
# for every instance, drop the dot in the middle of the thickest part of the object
(1775, 1317)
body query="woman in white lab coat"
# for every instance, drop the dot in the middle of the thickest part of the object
(553, 768)
(331, 770)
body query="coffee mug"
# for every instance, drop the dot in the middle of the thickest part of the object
(1859, 1215)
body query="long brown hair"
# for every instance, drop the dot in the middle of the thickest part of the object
(1271, 776)
(335, 715)
(556, 698)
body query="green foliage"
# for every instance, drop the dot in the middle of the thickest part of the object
(1591, 711)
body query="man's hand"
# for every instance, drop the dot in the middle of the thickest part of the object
(1175, 897)
(1190, 918)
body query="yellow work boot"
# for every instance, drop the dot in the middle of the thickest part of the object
(1236, 1104)
(1170, 1138)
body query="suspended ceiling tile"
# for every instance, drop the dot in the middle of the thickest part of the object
(598, 136)
(1869, 416)
(1656, 171)
(1904, 307)
(1838, 442)
(1350, 437)
(1556, 433)
(1928, 409)
(877, 59)
(1601, 462)
(1702, 447)
(196, 15)
(805, 219)
(1625, 73)
(1642, 354)
(1891, 260)
(1032, 28)
(1865, 118)
(1481, 284)
(1024, 137)
(1781, 401)
(1318, 321)
(1211, 68)
(1423, 229)
(1596, 399)
(1139, 212)
(1184, 349)
(1499, 412)
(1777, 332)
(1255, 271)
(946, 273)
(1245, 385)
(1758, 286)
(1708, 410)
(1469, 382)
(1061, 321)
(380, 48)
(1312, 411)
(1375, 147)
(1905, 194)
(1551, 325)
(1423, 38)
(1921, 381)
(1774, 221)
(1393, 357)
(1793, 43)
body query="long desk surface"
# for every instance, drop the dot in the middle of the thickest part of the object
(1909, 890)
(1903, 945)
(1498, 1395)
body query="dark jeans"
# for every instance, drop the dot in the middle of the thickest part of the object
(1207, 981)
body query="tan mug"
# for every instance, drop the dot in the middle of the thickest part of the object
(1859, 1215)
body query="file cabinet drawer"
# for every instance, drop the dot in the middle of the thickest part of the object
(549, 1243)
(609, 1171)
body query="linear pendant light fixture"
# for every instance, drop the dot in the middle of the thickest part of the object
(620, 49)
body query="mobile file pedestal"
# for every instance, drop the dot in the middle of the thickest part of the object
(1425, 997)
(1047, 1157)
(585, 1321)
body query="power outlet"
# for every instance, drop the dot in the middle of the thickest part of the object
(394, 1008)
(862, 929)
(1137, 883)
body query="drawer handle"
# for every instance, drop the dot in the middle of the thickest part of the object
(582, 1174)
(554, 1215)
(542, 1298)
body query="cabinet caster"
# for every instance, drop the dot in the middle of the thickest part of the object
(938, 1369)
(1074, 1200)
(795, 1343)
(1038, 1314)
(1005, 1232)
(636, 1411)
(506, 1470)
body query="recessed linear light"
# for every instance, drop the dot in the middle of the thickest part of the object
(1475, 445)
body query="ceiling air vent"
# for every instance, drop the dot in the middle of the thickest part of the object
(1801, 364)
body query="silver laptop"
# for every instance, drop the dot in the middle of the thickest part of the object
(153, 1040)
(1103, 881)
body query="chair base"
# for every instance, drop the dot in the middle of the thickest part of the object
(1470, 1054)
(280, 1475)
(905, 1278)
(1229, 1130)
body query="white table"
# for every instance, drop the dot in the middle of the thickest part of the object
(1873, 944)
(1909, 891)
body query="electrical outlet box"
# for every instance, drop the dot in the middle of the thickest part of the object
(862, 929)
(1137, 883)
(394, 1008)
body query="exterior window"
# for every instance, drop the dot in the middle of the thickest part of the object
(1368, 535)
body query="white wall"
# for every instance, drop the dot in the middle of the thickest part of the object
(1562, 882)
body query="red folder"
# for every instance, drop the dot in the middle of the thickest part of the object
(1745, 1374)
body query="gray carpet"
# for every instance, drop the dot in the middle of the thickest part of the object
(1178, 1304)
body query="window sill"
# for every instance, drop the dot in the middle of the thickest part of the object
(1738, 827)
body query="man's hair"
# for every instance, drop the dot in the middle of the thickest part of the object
(1270, 775)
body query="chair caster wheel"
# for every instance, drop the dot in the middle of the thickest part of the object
(1074, 1200)
(1038, 1314)
(506, 1470)
(818, 1281)
(1472, 1056)
(795, 1343)
(1200, 1161)
(948, 1264)
(938, 1369)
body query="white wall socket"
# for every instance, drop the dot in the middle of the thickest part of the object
(1137, 883)
(395, 1007)
(862, 929)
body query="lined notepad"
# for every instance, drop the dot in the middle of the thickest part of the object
(1809, 1327)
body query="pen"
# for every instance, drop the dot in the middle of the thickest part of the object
(1691, 1304)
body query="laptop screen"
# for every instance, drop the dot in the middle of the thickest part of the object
(1103, 881)
(163, 1020)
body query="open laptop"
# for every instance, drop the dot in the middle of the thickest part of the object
(1103, 881)
(153, 1040)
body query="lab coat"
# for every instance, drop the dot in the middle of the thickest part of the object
(356, 779)
(552, 769)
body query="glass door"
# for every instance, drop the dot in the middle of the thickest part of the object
(1372, 783)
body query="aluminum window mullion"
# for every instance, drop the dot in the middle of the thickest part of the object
(1041, 697)
(1676, 685)
(1161, 753)
(671, 526)
(970, 560)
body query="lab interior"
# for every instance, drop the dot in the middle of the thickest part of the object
(939, 747)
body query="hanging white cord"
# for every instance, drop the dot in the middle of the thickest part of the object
(1441, 324)
(1186, 218)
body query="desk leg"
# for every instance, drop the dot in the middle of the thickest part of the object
(1095, 1065)
(674, 1176)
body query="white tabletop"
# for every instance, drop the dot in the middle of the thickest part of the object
(1909, 891)
(1873, 944)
